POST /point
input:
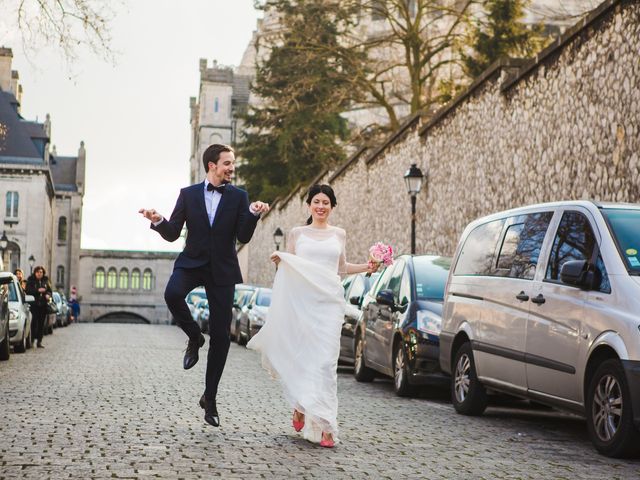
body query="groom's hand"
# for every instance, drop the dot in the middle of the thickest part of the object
(258, 208)
(150, 214)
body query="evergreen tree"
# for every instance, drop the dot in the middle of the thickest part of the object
(501, 33)
(296, 129)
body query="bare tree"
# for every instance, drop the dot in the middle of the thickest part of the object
(66, 24)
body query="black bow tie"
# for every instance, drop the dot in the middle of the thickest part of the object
(219, 188)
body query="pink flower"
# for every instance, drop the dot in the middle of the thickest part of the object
(381, 254)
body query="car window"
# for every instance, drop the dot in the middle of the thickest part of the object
(347, 283)
(383, 282)
(396, 279)
(405, 288)
(431, 276)
(264, 298)
(13, 294)
(195, 296)
(625, 226)
(574, 240)
(521, 244)
(478, 250)
(357, 287)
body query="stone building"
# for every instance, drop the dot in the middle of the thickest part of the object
(42, 192)
(564, 125)
(124, 285)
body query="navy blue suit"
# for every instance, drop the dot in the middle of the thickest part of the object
(209, 259)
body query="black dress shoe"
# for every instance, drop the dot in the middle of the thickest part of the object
(211, 413)
(191, 354)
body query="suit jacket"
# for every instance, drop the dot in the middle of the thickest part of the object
(213, 244)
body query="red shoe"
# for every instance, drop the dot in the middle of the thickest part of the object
(297, 425)
(327, 443)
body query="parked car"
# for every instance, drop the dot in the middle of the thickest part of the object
(62, 319)
(19, 317)
(398, 332)
(201, 309)
(253, 314)
(543, 303)
(194, 296)
(5, 343)
(241, 295)
(355, 286)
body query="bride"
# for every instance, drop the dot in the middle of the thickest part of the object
(300, 341)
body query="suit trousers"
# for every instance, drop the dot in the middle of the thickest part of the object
(220, 298)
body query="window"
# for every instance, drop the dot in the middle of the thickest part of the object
(574, 240)
(405, 288)
(13, 293)
(146, 280)
(383, 281)
(124, 279)
(396, 279)
(625, 226)
(521, 245)
(99, 281)
(62, 229)
(357, 289)
(13, 202)
(60, 275)
(216, 105)
(476, 257)
(431, 276)
(264, 298)
(112, 276)
(135, 279)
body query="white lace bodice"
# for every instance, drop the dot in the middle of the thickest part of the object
(324, 246)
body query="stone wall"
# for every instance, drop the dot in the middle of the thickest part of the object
(565, 125)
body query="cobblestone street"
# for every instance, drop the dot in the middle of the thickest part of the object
(112, 401)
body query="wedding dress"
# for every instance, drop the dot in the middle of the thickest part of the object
(300, 341)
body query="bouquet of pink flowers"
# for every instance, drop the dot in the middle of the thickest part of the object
(380, 254)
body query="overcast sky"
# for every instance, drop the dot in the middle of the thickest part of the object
(134, 116)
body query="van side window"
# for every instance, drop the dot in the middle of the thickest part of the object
(574, 240)
(396, 278)
(476, 256)
(383, 281)
(521, 246)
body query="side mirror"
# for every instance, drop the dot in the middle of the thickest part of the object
(385, 297)
(355, 300)
(574, 272)
(249, 306)
(29, 298)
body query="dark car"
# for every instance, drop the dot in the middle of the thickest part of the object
(398, 332)
(5, 342)
(241, 295)
(355, 287)
(253, 315)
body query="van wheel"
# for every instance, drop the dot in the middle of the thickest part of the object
(401, 373)
(468, 395)
(5, 348)
(609, 414)
(361, 372)
(22, 346)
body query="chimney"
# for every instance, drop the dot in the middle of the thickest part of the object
(80, 167)
(203, 65)
(15, 79)
(6, 56)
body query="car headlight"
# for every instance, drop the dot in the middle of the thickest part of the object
(13, 314)
(257, 320)
(429, 322)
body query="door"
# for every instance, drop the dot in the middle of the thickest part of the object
(554, 332)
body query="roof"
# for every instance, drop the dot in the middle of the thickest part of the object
(16, 144)
(63, 171)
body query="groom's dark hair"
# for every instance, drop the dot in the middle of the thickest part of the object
(212, 154)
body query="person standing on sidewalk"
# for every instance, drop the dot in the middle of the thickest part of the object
(217, 215)
(38, 285)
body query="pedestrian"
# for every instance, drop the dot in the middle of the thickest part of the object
(21, 281)
(74, 304)
(217, 215)
(300, 340)
(38, 286)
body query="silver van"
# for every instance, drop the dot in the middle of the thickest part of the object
(543, 302)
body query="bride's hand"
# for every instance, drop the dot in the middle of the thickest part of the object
(275, 258)
(372, 267)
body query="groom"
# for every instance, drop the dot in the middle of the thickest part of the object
(216, 213)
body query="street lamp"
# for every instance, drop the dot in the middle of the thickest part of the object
(32, 261)
(278, 235)
(413, 180)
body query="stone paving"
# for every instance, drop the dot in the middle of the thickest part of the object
(112, 401)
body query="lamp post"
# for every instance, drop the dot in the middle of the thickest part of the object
(32, 261)
(413, 180)
(278, 235)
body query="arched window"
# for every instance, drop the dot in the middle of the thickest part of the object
(112, 277)
(99, 277)
(60, 276)
(146, 279)
(135, 279)
(124, 279)
(62, 229)
(13, 201)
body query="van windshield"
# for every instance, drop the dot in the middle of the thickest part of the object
(625, 225)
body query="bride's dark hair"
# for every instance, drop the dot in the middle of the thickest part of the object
(315, 190)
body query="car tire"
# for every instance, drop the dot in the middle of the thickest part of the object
(609, 412)
(468, 395)
(361, 372)
(248, 334)
(401, 384)
(22, 346)
(241, 338)
(5, 347)
(30, 339)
